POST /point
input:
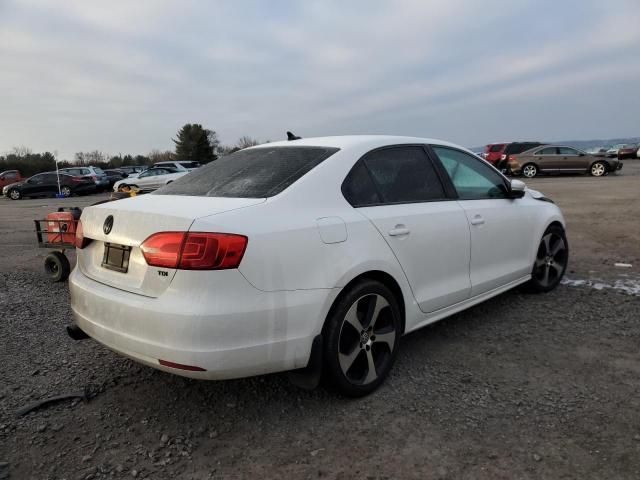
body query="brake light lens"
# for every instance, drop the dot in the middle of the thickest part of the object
(194, 250)
(81, 242)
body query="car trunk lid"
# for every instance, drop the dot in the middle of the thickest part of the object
(117, 229)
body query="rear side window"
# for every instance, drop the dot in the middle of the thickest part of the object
(547, 151)
(252, 173)
(190, 164)
(358, 188)
(395, 175)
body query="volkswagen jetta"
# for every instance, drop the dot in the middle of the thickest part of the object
(313, 255)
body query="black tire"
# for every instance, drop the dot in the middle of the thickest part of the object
(529, 170)
(374, 308)
(551, 261)
(66, 191)
(14, 194)
(57, 266)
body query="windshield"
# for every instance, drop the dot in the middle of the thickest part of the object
(252, 173)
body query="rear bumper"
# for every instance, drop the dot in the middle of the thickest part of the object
(219, 323)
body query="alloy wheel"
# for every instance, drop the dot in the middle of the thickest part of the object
(15, 195)
(529, 171)
(598, 169)
(367, 339)
(66, 191)
(551, 259)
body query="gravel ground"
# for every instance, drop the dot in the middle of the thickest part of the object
(521, 386)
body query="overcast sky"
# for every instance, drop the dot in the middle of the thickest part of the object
(123, 76)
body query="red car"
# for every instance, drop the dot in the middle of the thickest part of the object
(494, 151)
(10, 176)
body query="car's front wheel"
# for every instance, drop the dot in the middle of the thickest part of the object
(66, 191)
(15, 194)
(598, 169)
(362, 338)
(551, 260)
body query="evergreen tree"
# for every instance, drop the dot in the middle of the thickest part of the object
(195, 143)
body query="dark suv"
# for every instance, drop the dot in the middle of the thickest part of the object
(514, 148)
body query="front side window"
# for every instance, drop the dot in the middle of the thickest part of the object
(472, 178)
(404, 175)
(251, 173)
(567, 151)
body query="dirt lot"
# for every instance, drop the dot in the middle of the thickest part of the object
(522, 386)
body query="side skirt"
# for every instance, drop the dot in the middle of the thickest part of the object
(458, 307)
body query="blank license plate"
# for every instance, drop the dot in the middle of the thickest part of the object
(116, 257)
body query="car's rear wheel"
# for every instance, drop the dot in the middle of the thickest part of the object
(15, 194)
(362, 338)
(551, 260)
(598, 169)
(66, 191)
(529, 170)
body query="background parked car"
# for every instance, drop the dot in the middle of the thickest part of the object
(133, 169)
(180, 166)
(514, 148)
(114, 175)
(149, 180)
(493, 152)
(498, 153)
(613, 150)
(10, 176)
(630, 151)
(96, 174)
(598, 151)
(46, 184)
(560, 159)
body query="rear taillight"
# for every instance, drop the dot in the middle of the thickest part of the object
(81, 242)
(194, 250)
(503, 157)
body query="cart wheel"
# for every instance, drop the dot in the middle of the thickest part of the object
(57, 266)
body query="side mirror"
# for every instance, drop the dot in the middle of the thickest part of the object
(517, 189)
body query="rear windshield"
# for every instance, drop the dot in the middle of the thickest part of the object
(190, 164)
(253, 173)
(496, 148)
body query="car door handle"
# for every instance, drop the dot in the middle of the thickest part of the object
(399, 230)
(477, 220)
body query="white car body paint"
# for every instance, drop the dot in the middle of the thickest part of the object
(305, 245)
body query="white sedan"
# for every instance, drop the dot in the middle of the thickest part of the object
(149, 180)
(313, 255)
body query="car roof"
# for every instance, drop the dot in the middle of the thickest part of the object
(354, 141)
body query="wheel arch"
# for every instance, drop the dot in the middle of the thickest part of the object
(378, 275)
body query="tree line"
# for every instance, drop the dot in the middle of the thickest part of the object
(193, 142)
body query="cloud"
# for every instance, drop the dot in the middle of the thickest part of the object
(124, 76)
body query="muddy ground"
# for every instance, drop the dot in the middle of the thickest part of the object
(522, 386)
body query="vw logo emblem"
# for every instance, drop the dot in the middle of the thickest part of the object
(108, 225)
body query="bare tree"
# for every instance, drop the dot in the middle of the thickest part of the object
(158, 156)
(246, 142)
(21, 151)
